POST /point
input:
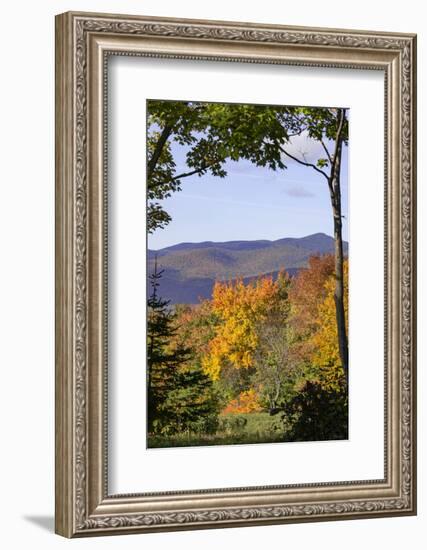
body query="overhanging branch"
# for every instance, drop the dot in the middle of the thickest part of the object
(304, 163)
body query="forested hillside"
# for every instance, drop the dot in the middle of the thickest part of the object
(191, 269)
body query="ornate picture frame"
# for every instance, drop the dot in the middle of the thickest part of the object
(84, 42)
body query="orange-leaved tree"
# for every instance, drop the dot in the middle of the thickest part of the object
(319, 407)
(307, 293)
(246, 402)
(195, 325)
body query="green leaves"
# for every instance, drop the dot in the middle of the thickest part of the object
(322, 163)
(210, 134)
(157, 218)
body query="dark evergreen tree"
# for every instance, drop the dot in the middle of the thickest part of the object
(192, 404)
(162, 371)
(179, 394)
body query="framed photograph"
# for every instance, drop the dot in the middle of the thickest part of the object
(235, 274)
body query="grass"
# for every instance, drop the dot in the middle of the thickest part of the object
(233, 429)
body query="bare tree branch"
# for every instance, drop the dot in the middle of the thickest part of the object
(296, 159)
(195, 171)
(203, 168)
(328, 154)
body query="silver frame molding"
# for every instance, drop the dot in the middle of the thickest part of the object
(83, 43)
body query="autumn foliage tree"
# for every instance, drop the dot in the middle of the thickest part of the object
(250, 350)
(319, 407)
(275, 366)
(307, 292)
(313, 317)
(239, 307)
(325, 358)
(246, 402)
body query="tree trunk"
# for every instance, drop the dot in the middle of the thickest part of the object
(339, 293)
(334, 186)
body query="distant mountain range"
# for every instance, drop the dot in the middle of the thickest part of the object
(191, 269)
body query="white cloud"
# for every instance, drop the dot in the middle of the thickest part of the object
(305, 148)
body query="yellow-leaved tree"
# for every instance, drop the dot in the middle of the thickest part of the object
(239, 307)
(326, 358)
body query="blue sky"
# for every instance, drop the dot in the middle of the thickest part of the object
(251, 202)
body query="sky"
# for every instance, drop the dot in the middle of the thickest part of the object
(252, 202)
